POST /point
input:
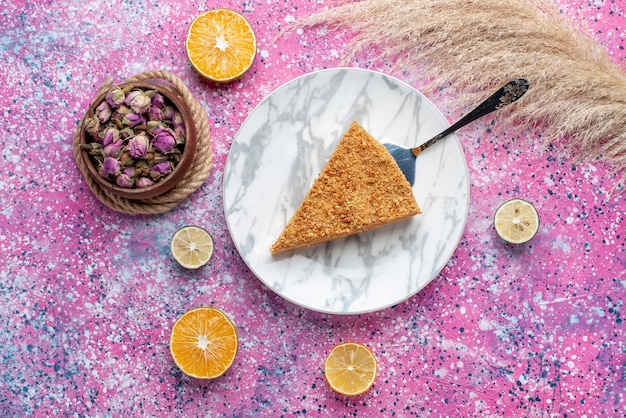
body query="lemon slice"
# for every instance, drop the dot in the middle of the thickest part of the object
(516, 221)
(204, 342)
(192, 246)
(350, 369)
(221, 45)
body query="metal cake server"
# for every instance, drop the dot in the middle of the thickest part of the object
(507, 94)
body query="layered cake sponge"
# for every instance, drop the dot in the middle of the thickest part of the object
(360, 188)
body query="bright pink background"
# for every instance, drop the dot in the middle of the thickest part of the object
(88, 296)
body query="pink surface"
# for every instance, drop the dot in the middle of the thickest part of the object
(88, 296)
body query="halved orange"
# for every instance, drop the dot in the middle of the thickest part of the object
(204, 342)
(350, 369)
(221, 45)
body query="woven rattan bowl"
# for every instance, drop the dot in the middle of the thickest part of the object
(178, 172)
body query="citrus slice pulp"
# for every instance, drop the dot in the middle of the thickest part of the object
(221, 45)
(192, 246)
(516, 221)
(350, 369)
(204, 342)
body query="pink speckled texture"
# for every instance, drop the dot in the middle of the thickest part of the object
(88, 296)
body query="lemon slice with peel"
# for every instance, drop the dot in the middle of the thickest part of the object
(516, 221)
(204, 342)
(350, 369)
(192, 246)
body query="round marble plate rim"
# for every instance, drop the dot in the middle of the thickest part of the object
(452, 137)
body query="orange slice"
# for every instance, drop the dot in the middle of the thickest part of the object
(204, 343)
(350, 369)
(516, 221)
(221, 45)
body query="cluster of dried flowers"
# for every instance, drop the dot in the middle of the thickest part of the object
(137, 137)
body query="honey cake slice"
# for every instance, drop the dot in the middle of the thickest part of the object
(360, 188)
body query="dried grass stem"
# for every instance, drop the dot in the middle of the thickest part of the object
(577, 96)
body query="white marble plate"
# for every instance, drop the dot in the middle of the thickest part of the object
(283, 145)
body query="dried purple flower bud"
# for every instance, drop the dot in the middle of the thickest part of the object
(164, 142)
(138, 146)
(160, 170)
(92, 127)
(140, 104)
(109, 167)
(93, 148)
(114, 149)
(110, 135)
(155, 114)
(142, 168)
(131, 95)
(123, 110)
(133, 119)
(130, 171)
(168, 112)
(104, 112)
(116, 97)
(118, 116)
(159, 158)
(158, 100)
(155, 127)
(179, 135)
(143, 182)
(125, 181)
(126, 159)
(150, 158)
(178, 121)
(127, 133)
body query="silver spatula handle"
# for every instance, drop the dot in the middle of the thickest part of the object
(506, 95)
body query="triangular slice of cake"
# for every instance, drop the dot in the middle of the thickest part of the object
(361, 187)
